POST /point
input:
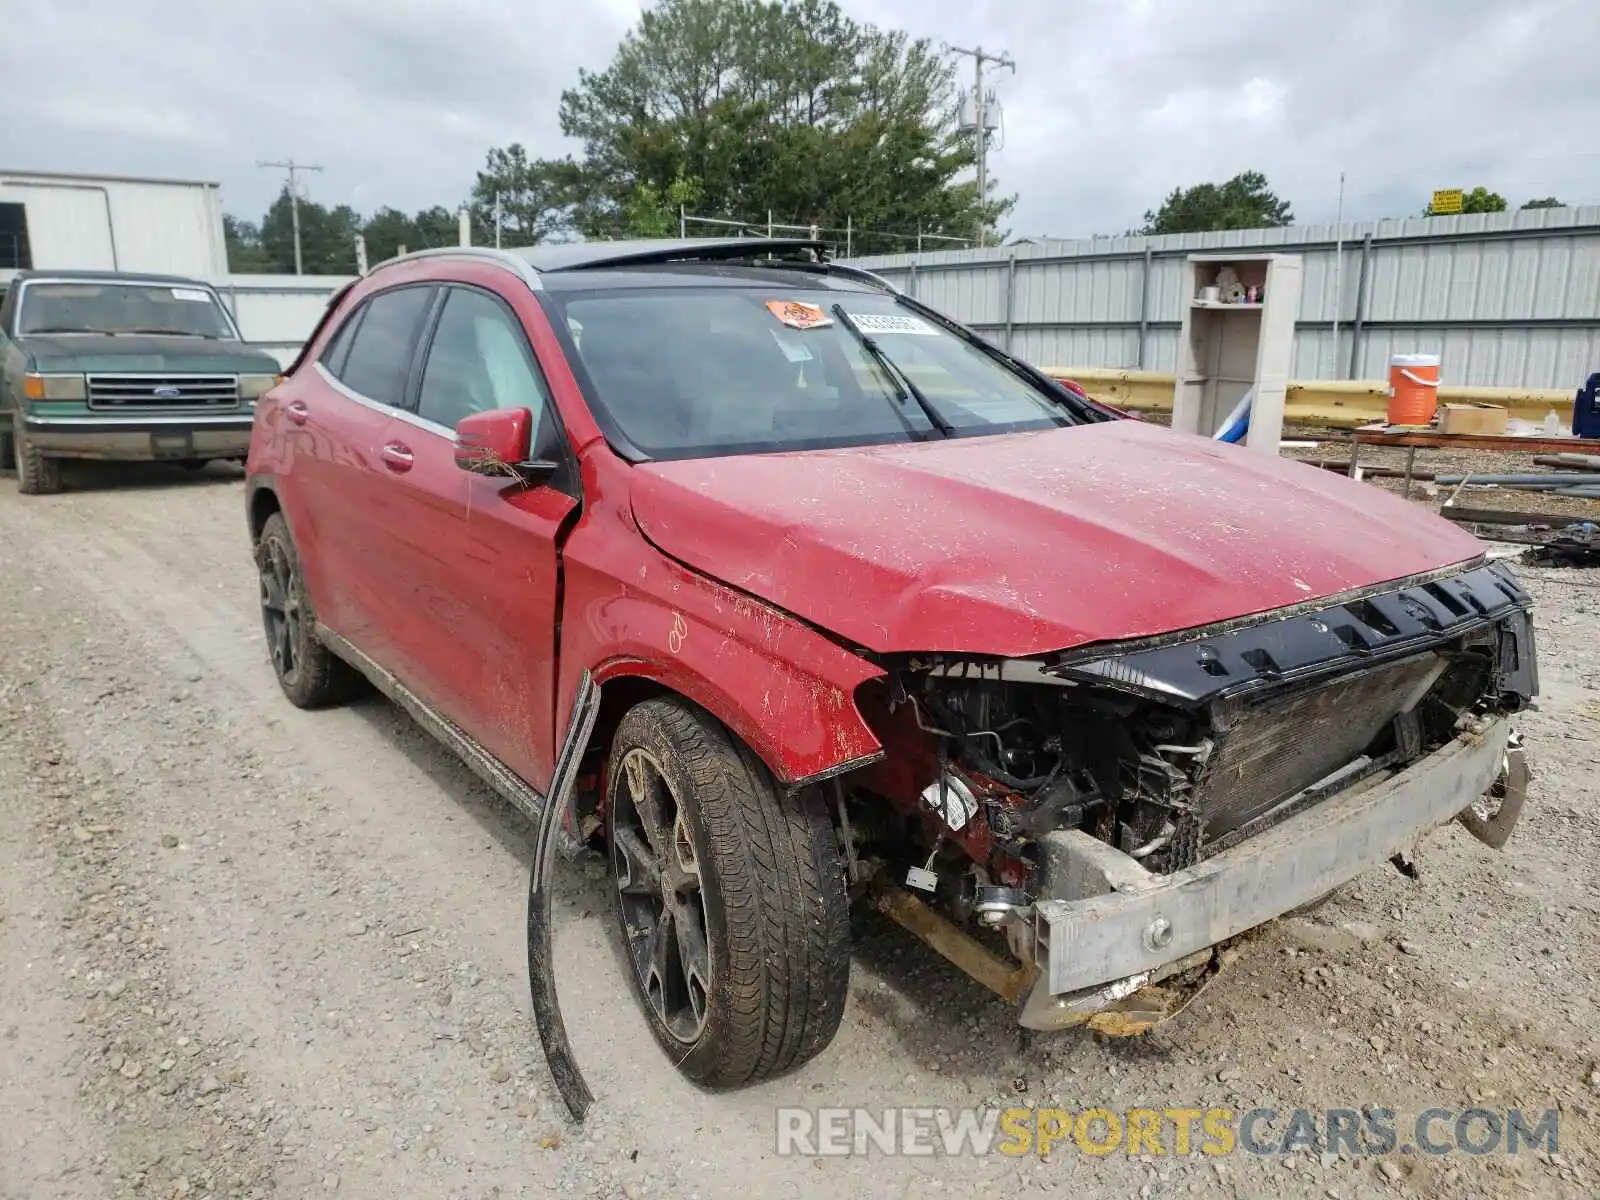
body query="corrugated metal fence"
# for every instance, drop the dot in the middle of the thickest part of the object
(1508, 299)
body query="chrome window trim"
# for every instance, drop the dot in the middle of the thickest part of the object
(503, 259)
(388, 410)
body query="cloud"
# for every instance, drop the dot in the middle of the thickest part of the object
(1112, 105)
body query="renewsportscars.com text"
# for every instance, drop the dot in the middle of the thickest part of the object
(1357, 1132)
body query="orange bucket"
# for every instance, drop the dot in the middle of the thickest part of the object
(1413, 389)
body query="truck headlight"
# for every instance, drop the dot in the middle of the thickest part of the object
(253, 387)
(54, 387)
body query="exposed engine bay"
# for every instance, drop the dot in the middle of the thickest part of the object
(1180, 748)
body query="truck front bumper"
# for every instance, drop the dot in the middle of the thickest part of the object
(144, 438)
(1115, 927)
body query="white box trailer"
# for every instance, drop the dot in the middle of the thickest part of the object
(52, 220)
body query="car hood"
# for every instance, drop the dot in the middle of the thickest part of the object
(143, 353)
(1025, 543)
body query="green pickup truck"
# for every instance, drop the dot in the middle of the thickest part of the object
(110, 365)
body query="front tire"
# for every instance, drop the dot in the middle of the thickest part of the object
(731, 898)
(309, 673)
(36, 474)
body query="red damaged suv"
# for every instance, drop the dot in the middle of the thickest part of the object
(859, 608)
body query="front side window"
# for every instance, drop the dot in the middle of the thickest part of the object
(379, 358)
(479, 360)
(682, 374)
(110, 306)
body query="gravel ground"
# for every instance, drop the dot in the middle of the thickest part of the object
(251, 951)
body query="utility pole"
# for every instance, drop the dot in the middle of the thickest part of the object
(292, 168)
(980, 114)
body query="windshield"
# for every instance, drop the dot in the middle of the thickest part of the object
(684, 373)
(110, 307)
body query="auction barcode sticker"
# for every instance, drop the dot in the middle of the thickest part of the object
(196, 294)
(881, 323)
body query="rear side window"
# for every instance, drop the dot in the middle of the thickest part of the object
(338, 348)
(381, 347)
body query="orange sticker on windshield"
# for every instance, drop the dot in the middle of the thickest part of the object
(799, 316)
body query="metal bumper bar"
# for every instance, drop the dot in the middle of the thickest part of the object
(200, 435)
(1142, 922)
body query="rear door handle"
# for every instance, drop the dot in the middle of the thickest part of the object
(397, 456)
(297, 411)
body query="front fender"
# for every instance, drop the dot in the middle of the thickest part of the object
(786, 690)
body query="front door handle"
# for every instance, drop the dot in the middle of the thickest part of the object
(297, 411)
(397, 456)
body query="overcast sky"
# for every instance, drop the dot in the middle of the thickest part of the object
(1113, 102)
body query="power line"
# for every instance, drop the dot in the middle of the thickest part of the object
(980, 131)
(292, 167)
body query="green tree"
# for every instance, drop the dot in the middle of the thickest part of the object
(1243, 202)
(327, 237)
(537, 197)
(246, 254)
(650, 214)
(788, 106)
(1479, 200)
(1547, 202)
(388, 229)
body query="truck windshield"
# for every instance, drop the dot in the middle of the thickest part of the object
(108, 306)
(689, 373)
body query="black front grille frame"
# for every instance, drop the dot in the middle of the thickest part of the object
(153, 392)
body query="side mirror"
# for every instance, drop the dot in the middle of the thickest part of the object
(499, 442)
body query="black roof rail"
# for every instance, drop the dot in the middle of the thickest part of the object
(577, 256)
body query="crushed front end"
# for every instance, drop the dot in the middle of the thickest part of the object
(1115, 813)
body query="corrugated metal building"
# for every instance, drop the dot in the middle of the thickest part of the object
(1508, 299)
(110, 223)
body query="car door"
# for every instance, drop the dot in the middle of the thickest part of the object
(475, 556)
(341, 408)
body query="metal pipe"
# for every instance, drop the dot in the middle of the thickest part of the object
(1569, 462)
(1361, 307)
(1011, 296)
(1144, 304)
(1543, 479)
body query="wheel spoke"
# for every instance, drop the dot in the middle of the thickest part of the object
(661, 984)
(283, 650)
(687, 874)
(694, 957)
(634, 863)
(272, 598)
(644, 790)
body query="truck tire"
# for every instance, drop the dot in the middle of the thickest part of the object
(310, 674)
(36, 474)
(731, 898)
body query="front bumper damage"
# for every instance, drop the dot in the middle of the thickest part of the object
(1109, 930)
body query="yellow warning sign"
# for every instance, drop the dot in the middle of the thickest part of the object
(1446, 202)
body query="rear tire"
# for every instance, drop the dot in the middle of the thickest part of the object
(36, 474)
(731, 898)
(309, 673)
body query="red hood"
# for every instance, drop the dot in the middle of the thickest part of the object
(1020, 544)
